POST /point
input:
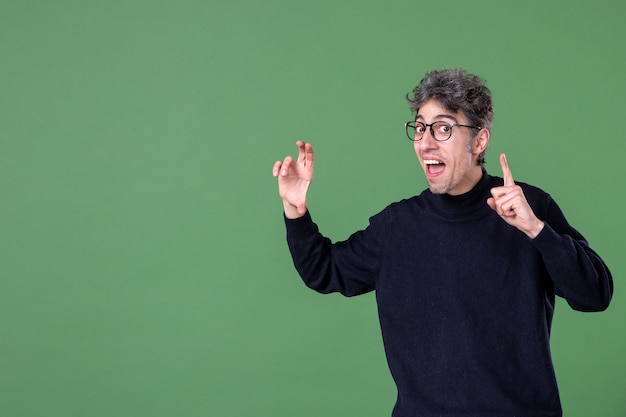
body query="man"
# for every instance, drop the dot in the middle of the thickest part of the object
(465, 273)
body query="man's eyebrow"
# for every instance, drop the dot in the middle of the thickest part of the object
(439, 116)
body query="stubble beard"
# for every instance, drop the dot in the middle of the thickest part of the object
(440, 188)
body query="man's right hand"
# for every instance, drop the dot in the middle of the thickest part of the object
(294, 178)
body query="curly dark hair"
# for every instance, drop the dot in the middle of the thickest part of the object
(457, 91)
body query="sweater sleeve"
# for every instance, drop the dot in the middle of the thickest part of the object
(349, 267)
(579, 275)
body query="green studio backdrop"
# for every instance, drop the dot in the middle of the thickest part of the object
(144, 270)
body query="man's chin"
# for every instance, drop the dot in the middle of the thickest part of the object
(437, 188)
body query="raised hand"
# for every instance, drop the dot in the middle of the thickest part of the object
(510, 203)
(294, 178)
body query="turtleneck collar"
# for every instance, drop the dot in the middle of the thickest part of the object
(469, 204)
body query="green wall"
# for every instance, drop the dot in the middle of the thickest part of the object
(143, 265)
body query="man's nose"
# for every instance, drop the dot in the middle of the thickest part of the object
(428, 140)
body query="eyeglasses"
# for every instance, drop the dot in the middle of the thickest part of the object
(441, 131)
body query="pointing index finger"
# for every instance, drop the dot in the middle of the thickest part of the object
(506, 172)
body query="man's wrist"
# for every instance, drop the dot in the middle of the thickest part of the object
(291, 211)
(536, 229)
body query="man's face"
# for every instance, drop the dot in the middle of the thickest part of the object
(450, 166)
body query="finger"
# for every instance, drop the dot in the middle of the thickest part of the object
(512, 202)
(301, 152)
(507, 205)
(284, 169)
(309, 155)
(506, 172)
(305, 153)
(276, 168)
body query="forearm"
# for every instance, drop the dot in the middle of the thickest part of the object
(345, 267)
(578, 273)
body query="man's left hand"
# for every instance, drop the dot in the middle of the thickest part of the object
(510, 204)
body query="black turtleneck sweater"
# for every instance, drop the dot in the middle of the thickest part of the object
(465, 301)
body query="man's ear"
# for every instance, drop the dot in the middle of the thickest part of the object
(481, 141)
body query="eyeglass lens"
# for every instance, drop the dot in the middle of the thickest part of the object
(440, 130)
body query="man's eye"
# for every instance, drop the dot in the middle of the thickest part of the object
(444, 128)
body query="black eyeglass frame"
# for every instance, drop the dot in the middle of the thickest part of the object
(412, 124)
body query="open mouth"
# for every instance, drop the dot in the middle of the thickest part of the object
(434, 167)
